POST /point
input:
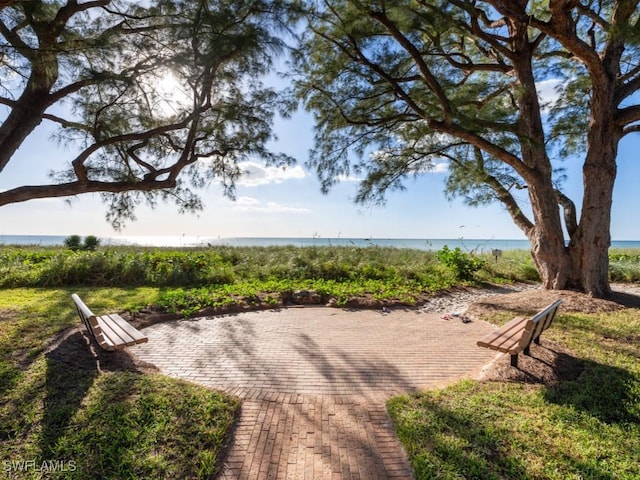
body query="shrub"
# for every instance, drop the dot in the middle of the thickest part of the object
(91, 242)
(73, 242)
(463, 265)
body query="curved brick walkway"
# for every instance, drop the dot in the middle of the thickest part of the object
(314, 382)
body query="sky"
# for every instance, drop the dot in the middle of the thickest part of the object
(272, 202)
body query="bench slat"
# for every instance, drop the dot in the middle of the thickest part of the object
(516, 336)
(96, 330)
(506, 337)
(114, 333)
(111, 332)
(513, 343)
(129, 332)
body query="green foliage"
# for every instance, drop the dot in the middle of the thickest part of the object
(73, 242)
(464, 265)
(163, 96)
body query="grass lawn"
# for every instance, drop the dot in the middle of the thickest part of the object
(60, 421)
(587, 428)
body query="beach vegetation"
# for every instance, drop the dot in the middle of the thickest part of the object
(464, 265)
(75, 242)
(196, 278)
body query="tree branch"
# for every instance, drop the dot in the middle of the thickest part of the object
(631, 129)
(31, 192)
(562, 27)
(477, 15)
(628, 115)
(486, 146)
(417, 57)
(631, 85)
(569, 209)
(503, 195)
(16, 42)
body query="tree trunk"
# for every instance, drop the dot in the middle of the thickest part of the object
(589, 247)
(583, 265)
(546, 237)
(27, 114)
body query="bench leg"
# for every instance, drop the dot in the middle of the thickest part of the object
(514, 360)
(527, 351)
(537, 341)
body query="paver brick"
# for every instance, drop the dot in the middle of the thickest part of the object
(314, 382)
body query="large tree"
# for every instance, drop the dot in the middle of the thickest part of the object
(152, 98)
(407, 83)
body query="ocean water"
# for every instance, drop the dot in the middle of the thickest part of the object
(467, 245)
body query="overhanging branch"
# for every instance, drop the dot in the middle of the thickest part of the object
(32, 192)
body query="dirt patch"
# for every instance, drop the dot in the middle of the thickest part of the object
(529, 302)
(549, 363)
(74, 348)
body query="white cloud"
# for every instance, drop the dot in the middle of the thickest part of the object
(250, 204)
(256, 174)
(440, 167)
(348, 178)
(548, 93)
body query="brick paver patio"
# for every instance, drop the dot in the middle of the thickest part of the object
(314, 382)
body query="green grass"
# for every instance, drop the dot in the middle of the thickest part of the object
(586, 428)
(92, 424)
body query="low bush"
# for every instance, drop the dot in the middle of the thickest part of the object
(464, 265)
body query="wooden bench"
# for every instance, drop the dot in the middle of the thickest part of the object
(111, 332)
(516, 336)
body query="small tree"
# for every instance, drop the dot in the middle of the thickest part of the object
(90, 243)
(73, 242)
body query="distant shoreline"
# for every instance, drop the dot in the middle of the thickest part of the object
(466, 244)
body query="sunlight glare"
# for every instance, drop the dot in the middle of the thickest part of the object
(173, 97)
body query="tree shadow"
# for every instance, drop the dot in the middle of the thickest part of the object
(314, 436)
(442, 439)
(439, 439)
(547, 364)
(603, 391)
(73, 364)
(624, 299)
(361, 373)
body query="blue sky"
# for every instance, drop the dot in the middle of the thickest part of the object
(272, 202)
